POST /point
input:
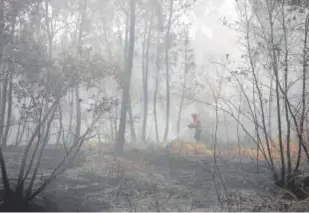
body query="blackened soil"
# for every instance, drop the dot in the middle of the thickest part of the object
(174, 184)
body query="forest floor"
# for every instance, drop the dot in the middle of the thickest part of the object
(151, 180)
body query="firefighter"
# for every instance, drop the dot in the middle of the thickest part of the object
(196, 124)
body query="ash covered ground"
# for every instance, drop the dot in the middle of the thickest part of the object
(150, 180)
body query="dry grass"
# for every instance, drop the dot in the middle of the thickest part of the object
(255, 154)
(186, 148)
(149, 190)
(96, 147)
(141, 182)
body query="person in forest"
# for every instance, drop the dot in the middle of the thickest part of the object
(196, 124)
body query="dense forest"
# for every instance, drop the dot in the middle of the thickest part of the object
(129, 73)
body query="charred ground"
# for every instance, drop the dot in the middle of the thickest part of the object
(150, 180)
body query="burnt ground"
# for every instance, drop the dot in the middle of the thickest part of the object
(149, 180)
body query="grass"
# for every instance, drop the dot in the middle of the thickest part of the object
(187, 148)
(143, 180)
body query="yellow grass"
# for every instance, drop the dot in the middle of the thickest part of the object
(185, 148)
(93, 146)
(189, 148)
(275, 152)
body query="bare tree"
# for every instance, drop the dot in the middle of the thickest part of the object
(130, 110)
(119, 145)
(155, 94)
(145, 75)
(188, 66)
(7, 85)
(158, 9)
(265, 41)
(83, 12)
(167, 68)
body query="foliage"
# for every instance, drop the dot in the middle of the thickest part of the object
(33, 85)
(271, 77)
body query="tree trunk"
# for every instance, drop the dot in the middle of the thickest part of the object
(2, 22)
(11, 70)
(40, 154)
(287, 117)
(302, 118)
(77, 96)
(50, 36)
(116, 123)
(1, 29)
(3, 106)
(276, 72)
(5, 180)
(71, 111)
(167, 70)
(119, 145)
(260, 98)
(130, 111)
(145, 82)
(10, 105)
(61, 129)
(156, 89)
(184, 83)
(78, 113)
(131, 121)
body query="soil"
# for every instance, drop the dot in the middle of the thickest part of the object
(149, 180)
